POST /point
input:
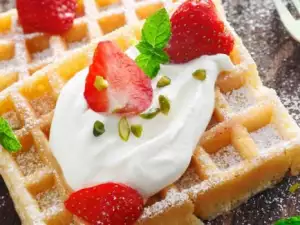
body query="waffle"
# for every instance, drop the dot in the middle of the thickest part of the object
(23, 54)
(249, 145)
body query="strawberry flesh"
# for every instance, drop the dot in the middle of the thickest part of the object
(49, 16)
(196, 31)
(106, 204)
(129, 90)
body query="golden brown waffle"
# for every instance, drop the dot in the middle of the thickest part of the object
(22, 54)
(250, 144)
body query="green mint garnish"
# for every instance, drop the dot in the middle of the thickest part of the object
(100, 83)
(124, 129)
(155, 36)
(98, 129)
(8, 139)
(137, 130)
(200, 74)
(163, 81)
(294, 188)
(289, 221)
(164, 104)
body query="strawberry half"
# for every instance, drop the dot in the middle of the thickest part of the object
(129, 90)
(49, 16)
(196, 31)
(106, 204)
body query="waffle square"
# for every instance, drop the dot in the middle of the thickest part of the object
(249, 145)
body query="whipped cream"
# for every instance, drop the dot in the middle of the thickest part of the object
(146, 164)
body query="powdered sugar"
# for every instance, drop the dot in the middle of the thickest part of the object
(266, 137)
(226, 157)
(239, 99)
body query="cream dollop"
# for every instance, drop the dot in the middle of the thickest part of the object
(146, 164)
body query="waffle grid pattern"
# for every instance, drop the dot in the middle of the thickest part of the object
(23, 54)
(250, 144)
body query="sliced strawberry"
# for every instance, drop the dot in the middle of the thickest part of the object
(49, 16)
(106, 204)
(129, 90)
(196, 31)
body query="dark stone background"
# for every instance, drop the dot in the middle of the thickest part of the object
(278, 58)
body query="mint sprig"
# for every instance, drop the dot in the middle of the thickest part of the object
(155, 36)
(8, 139)
(289, 221)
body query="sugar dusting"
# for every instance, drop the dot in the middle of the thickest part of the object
(239, 99)
(226, 157)
(49, 200)
(189, 179)
(173, 198)
(43, 105)
(266, 137)
(29, 161)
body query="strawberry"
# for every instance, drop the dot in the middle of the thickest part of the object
(129, 90)
(196, 31)
(49, 16)
(106, 204)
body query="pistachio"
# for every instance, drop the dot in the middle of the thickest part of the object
(200, 74)
(164, 104)
(100, 83)
(137, 130)
(150, 114)
(294, 188)
(124, 129)
(163, 81)
(98, 129)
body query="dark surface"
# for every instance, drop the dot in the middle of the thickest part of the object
(278, 58)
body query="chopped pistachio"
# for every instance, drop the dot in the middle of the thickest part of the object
(124, 129)
(163, 81)
(164, 104)
(100, 83)
(150, 114)
(200, 74)
(98, 129)
(137, 130)
(294, 188)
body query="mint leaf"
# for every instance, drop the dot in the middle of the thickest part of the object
(8, 139)
(289, 221)
(157, 29)
(147, 49)
(149, 64)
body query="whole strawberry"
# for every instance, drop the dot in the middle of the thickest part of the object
(49, 16)
(196, 31)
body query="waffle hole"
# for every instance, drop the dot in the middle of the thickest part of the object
(226, 157)
(103, 4)
(266, 137)
(239, 99)
(28, 159)
(112, 22)
(7, 111)
(144, 12)
(40, 96)
(77, 36)
(6, 22)
(7, 51)
(80, 8)
(49, 199)
(39, 47)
